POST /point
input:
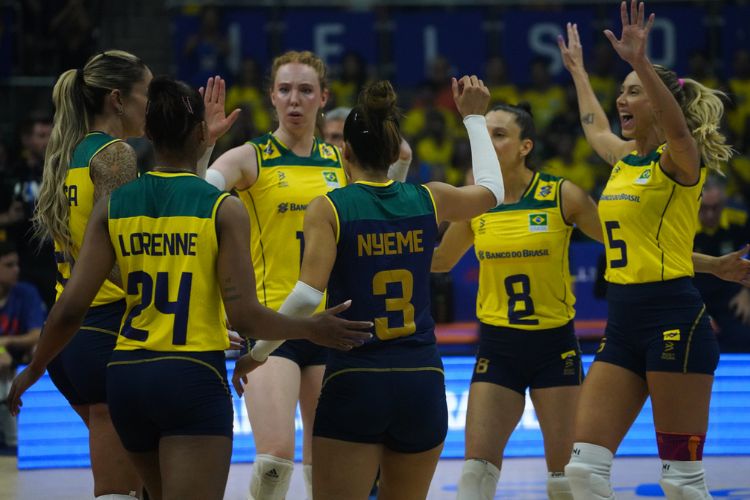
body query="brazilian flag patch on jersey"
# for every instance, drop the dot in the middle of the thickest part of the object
(545, 190)
(269, 151)
(331, 178)
(327, 152)
(538, 223)
(644, 177)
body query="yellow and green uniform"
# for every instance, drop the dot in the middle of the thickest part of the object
(649, 221)
(276, 203)
(80, 192)
(163, 229)
(524, 274)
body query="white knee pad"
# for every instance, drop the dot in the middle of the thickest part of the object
(558, 487)
(588, 472)
(132, 495)
(271, 478)
(478, 480)
(307, 471)
(683, 480)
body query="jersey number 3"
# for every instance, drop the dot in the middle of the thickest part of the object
(403, 303)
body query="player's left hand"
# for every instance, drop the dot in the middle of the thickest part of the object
(214, 96)
(21, 383)
(244, 365)
(740, 305)
(236, 341)
(632, 43)
(734, 266)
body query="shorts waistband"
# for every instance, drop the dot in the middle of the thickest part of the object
(486, 329)
(658, 289)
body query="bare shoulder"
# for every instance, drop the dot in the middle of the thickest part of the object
(112, 167)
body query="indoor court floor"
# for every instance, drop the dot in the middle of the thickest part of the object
(522, 479)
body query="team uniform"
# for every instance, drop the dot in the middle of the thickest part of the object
(276, 203)
(391, 390)
(525, 301)
(167, 375)
(657, 320)
(79, 370)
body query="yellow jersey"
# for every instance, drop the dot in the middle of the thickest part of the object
(524, 270)
(163, 229)
(648, 221)
(79, 189)
(286, 184)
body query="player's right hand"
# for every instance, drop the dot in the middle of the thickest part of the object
(572, 53)
(337, 333)
(471, 95)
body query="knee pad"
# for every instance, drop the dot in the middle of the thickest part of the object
(271, 478)
(478, 480)
(132, 495)
(558, 487)
(588, 472)
(683, 480)
(307, 471)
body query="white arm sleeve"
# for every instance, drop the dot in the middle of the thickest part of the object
(203, 162)
(302, 302)
(398, 170)
(484, 162)
(216, 178)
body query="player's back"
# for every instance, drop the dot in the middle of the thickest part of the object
(386, 236)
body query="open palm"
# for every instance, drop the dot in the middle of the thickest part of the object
(632, 43)
(214, 96)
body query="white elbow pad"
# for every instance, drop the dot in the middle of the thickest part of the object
(399, 170)
(216, 178)
(484, 162)
(301, 302)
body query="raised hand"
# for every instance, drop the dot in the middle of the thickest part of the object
(572, 53)
(337, 333)
(214, 96)
(471, 95)
(632, 43)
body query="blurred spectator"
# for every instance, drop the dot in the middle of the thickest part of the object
(564, 165)
(739, 87)
(739, 178)
(435, 145)
(73, 30)
(546, 98)
(345, 89)
(21, 317)
(502, 90)
(700, 68)
(439, 80)
(415, 119)
(207, 50)
(602, 75)
(333, 130)
(723, 230)
(11, 210)
(37, 261)
(247, 94)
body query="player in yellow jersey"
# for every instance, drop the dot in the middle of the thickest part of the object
(181, 247)
(658, 341)
(95, 108)
(383, 404)
(276, 176)
(525, 308)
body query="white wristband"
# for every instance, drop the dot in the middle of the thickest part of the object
(203, 162)
(484, 162)
(216, 178)
(301, 302)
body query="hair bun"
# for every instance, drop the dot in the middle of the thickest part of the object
(526, 106)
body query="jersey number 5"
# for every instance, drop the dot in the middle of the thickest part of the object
(403, 304)
(159, 295)
(611, 225)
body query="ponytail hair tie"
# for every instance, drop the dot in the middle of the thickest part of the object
(681, 82)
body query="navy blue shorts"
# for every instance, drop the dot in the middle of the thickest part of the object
(155, 394)
(79, 371)
(392, 396)
(660, 327)
(521, 359)
(302, 352)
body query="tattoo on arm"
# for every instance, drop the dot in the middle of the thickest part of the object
(112, 167)
(587, 119)
(231, 292)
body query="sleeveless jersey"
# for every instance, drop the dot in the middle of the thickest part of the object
(276, 204)
(649, 221)
(386, 236)
(524, 270)
(80, 191)
(163, 230)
